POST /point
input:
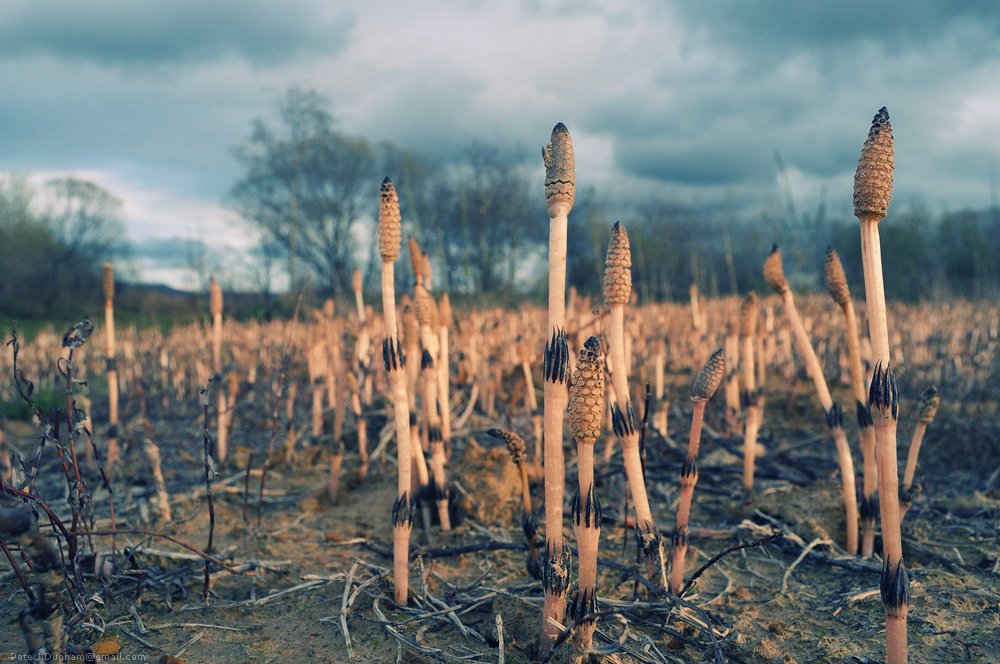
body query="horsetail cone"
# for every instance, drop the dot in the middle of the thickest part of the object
(109, 282)
(560, 171)
(873, 178)
(515, 444)
(774, 273)
(748, 315)
(836, 280)
(215, 298)
(618, 267)
(425, 306)
(444, 311)
(390, 234)
(710, 377)
(927, 406)
(586, 392)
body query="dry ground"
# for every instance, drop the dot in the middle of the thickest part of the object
(315, 566)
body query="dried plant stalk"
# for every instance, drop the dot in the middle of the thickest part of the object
(872, 193)
(162, 497)
(443, 366)
(404, 507)
(19, 526)
(774, 274)
(112, 368)
(705, 385)
(560, 192)
(748, 331)
(836, 283)
(927, 407)
(222, 429)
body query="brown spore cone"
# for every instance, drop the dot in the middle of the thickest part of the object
(748, 315)
(444, 311)
(109, 282)
(710, 377)
(426, 308)
(560, 170)
(515, 444)
(927, 406)
(873, 178)
(836, 279)
(586, 392)
(390, 233)
(618, 267)
(774, 273)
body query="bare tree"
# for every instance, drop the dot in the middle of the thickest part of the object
(305, 187)
(85, 219)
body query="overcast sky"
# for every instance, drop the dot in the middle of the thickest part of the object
(683, 99)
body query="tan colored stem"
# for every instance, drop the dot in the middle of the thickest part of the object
(911, 456)
(630, 442)
(871, 253)
(895, 639)
(443, 376)
(555, 400)
(870, 470)
(868, 488)
(752, 423)
(804, 346)
(404, 446)
(162, 497)
(848, 489)
(688, 482)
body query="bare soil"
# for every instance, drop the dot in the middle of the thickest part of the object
(764, 603)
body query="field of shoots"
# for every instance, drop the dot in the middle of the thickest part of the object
(772, 478)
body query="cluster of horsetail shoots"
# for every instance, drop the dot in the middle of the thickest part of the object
(775, 276)
(836, 283)
(404, 507)
(586, 403)
(560, 192)
(705, 384)
(927, 407)
(872, 193)
(112, 367)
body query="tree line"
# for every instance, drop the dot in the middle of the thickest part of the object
(480, 216)
(54, 239)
